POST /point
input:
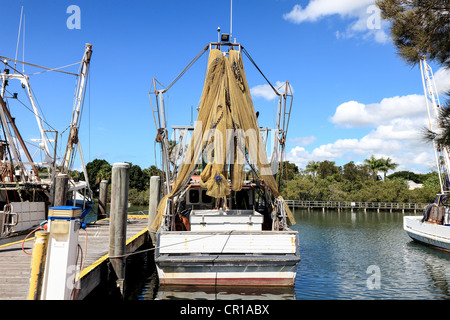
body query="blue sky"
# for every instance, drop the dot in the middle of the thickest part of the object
(353, 96)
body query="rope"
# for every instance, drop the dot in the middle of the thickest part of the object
(35, 65)
(254, 63)
(186, 68)
(23, 242)
(169, 245)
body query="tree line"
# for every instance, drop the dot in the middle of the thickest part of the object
(139, 183)
(320, 180)
(326, 181)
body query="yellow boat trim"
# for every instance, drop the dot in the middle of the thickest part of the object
(16, 242)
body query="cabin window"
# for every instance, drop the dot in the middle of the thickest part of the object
(205, 197)
(194, 196)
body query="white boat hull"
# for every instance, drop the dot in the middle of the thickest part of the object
(227, 258)
(23, 216)
(431, 234)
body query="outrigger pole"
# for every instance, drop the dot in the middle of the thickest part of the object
(78, 105)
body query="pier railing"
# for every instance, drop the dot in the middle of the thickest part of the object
(355, 205)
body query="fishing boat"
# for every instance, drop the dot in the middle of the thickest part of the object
(27, 187)
(221, 220)
(433, 228)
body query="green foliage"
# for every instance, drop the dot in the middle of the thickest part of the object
(327, 182)
(422, 29)
(419, 28)
(100, 169)
(406, 175)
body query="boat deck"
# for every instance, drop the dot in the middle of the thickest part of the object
(15, 265)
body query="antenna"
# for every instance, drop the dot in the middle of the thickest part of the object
(18, 38)
(23, 46)
(231, 21)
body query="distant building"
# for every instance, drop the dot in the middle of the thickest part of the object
(412, 185)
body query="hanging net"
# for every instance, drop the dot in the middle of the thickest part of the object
(226, 136)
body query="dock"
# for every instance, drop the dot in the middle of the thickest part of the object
(15, 264)
(354, 205)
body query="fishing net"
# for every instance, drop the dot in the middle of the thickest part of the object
(226, 134)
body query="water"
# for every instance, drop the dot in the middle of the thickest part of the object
(340, 252)
(362, 256)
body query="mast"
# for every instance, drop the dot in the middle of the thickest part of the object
(78, 104)
(6, 114)
(165, 142)
(432, 102)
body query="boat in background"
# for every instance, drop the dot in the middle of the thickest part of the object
(433, 228)
(27, 188)
(222, 221)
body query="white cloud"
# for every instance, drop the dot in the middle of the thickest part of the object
(396, 126)
(409, 154)
(354, 114)
(442, 80)
(368, 19)
(317, 9)
(265, 91)
(303, 141)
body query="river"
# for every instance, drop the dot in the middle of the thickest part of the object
(344, 256)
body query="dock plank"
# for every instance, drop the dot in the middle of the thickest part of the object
(15, 265)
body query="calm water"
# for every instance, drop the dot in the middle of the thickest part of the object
(359, 255)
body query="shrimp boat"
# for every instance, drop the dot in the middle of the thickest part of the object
(221, 220)
(433, 229)
(27, 187)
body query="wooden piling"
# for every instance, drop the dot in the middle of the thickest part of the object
(102, 200)
(118, 221)
(61, 188)
(38, 261)
(155, 193)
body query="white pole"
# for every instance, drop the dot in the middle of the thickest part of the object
(231, 21)
(165, 141)
(424, 71)
(48, 156)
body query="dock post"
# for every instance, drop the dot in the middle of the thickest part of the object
(61, 188)
(39, 258)
(155, 194)
(102, 200)
(118, 221)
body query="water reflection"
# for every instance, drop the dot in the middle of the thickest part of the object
(224, 293)
(338, 248)
(336, 251)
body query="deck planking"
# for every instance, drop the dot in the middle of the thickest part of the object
(15, 265)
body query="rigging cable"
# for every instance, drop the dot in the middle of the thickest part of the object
(254, 63)
(37, 66)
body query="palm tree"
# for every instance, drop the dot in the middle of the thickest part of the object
(387, 165)
(374, 165)
(312, 167)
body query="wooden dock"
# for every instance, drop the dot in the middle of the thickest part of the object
(15, 264)
(341, 205)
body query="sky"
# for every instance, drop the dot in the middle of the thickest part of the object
(353, 95)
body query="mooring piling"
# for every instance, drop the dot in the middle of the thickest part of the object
(155, 192)
(38, 261)
(102, 200)
(61, 188)
(118, 221)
